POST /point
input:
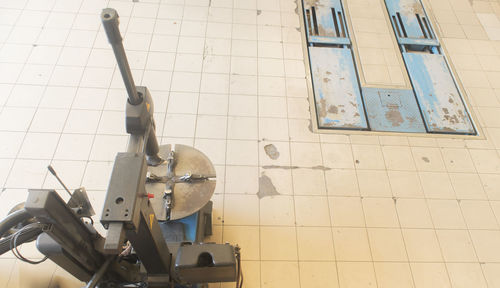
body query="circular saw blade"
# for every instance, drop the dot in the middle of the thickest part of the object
(188, 197)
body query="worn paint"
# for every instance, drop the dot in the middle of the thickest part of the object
(338, 100)
(407, 10)
(330, 28)
(393, 110)
(437, 94)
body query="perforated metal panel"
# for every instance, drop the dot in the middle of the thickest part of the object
(393, 110)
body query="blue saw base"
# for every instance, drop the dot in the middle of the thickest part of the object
(193, 228)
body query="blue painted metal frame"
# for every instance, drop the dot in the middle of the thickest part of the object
(335, 81)
(439, 98)
(336, 89)
(190, 226)
(330, 26)
(410, 22)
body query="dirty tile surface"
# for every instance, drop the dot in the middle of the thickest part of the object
(228, 77)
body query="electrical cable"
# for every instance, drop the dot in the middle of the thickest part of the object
(14, 245)
(239, 280)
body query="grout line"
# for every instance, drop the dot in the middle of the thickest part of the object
(294, 200)
(102, 109)
(426, 199)
(69, 111)
(361, 197)
(36, 108)
(400, 228)
(465, 221)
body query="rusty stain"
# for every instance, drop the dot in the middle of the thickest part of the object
(426, 160)
(271, 151)
(322, 108)
(452, 119)
(394, 116)
(333, 109)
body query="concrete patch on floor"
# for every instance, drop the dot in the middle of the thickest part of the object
(272, 151)
(266, 187)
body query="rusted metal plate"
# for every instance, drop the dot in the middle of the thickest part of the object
(393, 110)
(438, 96)
(409, 20)
(336, 89)
(325, 22)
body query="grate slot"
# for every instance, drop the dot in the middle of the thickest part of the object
(397, 26)
(428, 27)
(308, 17)
(335, 22)
(421, 26)
(315, 21)
(402, 25)
(341, 19)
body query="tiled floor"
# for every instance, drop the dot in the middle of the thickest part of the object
(228, 77)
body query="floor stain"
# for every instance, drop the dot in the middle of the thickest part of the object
(321, 167)
(310, 126)
(280, 167)
(266, 187)
(272, 151)
(259, 12)
(426, 160)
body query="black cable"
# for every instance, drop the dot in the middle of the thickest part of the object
(27, 235)
(14, 245)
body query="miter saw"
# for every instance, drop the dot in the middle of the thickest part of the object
(157, 211)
